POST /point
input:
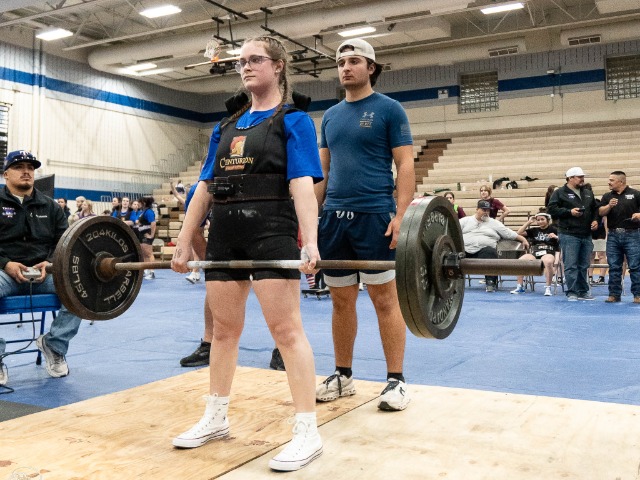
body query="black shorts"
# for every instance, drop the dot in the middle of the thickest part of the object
(346, 235)
(144, 240)
(264, 230)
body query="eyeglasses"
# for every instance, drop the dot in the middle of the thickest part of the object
(254, 61)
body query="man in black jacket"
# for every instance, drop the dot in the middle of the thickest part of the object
(30, 226)
(574, 208)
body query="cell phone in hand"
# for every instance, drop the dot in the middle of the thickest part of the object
(581, 209)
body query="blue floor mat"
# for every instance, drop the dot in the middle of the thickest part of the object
(509, 343)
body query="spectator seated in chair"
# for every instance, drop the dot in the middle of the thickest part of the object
(31, 227)
(544, 246)
(481, 235)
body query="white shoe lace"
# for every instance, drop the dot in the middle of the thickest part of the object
(204, 426)
(208, 423)
(297, 443)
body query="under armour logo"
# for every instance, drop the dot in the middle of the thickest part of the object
(367, 119)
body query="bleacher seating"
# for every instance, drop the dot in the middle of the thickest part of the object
(544, 154)
(474, 159)
(171, 213)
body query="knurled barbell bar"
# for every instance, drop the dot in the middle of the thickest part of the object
(97, 267)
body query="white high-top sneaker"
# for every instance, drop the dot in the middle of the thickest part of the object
(193, 277)
(214, 424)
(304, 447)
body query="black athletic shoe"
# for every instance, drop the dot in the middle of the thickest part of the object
(276, 360)
(199, 357)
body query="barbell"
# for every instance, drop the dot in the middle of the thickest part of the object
(97, 267)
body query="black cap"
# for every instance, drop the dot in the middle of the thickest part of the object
(484, 204)
(18, 156)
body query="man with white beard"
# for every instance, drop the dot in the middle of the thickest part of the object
(481, 235)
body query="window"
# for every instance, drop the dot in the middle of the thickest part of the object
(623, 77)
(4, 129)
(478, 92)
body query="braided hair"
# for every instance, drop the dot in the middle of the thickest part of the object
(276, 51)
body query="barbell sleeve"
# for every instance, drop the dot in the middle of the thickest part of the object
(487, 266)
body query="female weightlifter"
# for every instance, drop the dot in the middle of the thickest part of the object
(258, 181)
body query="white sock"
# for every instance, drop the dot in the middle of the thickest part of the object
(214, 404)
(217, 399)
(310, 419)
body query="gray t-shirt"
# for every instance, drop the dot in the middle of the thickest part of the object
(486, 233)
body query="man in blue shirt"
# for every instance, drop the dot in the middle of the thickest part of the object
(361, 138)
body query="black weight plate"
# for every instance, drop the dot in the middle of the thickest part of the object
(81, 289)
(425, 311)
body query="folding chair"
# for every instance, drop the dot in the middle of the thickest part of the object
(24, 305)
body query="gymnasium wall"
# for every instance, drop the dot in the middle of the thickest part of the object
(528, 95)
(101, 133)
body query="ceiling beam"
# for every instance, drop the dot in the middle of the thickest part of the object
(35, 16)
(137, 35)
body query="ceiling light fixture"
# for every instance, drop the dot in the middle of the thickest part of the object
(141, 66)
(354, 32)
(53, 34)
(160, 11)
(157, 71)
(505, 7)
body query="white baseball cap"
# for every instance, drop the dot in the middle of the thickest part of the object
(360, 47)
(575, 172)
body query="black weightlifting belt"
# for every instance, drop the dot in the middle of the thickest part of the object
(249, 187)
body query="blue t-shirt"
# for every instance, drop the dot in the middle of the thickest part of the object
(192, 190)
(187, 201)
(360, 136)
(148, 214)
(134, 215)
(303, 159)
(120, 214)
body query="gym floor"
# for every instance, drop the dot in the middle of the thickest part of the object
(528, 344)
